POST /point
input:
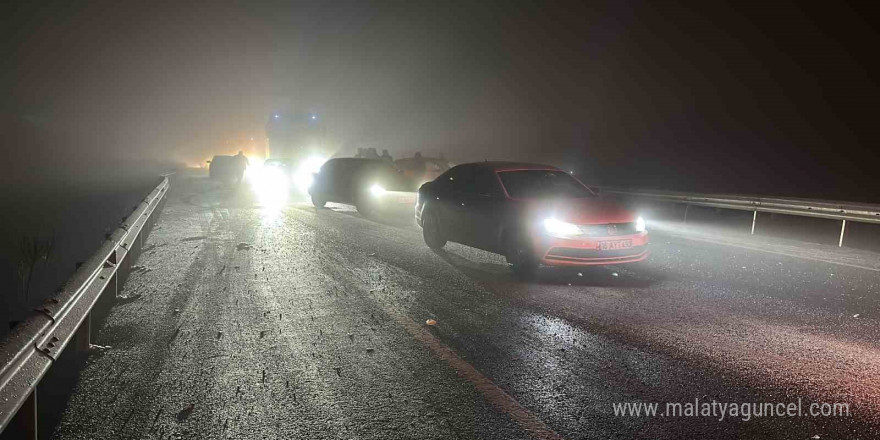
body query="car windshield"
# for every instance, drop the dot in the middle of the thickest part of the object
(537, 184)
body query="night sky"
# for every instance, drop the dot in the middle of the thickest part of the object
(766, 97)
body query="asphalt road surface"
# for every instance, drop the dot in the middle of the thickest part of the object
(252, 317)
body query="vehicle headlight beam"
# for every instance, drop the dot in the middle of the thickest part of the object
(377, 190)
(558, 228)
(640, 224)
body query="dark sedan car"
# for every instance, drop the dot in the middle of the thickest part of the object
(372, 185)
(532, 214)
(229, 169)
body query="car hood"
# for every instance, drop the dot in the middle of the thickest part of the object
(593, 210)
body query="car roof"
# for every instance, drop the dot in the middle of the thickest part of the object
(356, 159)
(361, 162)
(513, 166)
(425, 158)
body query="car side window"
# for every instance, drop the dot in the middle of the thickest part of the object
(449, 180)
(462, 179)
(485, 183)
(328, 168)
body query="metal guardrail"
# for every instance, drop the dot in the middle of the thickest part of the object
(833, 210)
(33, 346)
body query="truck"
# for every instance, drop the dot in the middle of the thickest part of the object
(298, 139)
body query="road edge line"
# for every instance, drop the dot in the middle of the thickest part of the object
(493, 394)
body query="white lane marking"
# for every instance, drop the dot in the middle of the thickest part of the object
(493, 394)
(787, 254)
(536, 428)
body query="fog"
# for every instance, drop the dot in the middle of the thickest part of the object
(771, 99)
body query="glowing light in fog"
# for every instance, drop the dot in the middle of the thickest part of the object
(377, 190)
(305, 172)
(558, 228)
(270, 185)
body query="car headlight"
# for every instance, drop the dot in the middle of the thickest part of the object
(558, 228)
(305, 172)
(377, 190)
(640, 224)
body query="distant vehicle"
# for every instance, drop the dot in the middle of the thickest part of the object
(422, 169)
(372, 185)
(296, 136)
(224, 168)
(283, 165)
(299, 140)
(532, 214)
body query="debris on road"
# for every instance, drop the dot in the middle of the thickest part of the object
(98, 348)
(371, 350)
(431, 322)
(856, 315)
(219, 335)
(185, 412)
(243, 246)
(122, 299)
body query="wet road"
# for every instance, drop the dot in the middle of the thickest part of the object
(255, 318)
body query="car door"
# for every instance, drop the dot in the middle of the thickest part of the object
(465, 196)
(346, 180)
(481, 206)
(323, 183)
(445, 204)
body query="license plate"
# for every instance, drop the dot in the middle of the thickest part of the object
(616, 244)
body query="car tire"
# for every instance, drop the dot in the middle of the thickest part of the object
(431, 231)
(520, 258)
(318, 201)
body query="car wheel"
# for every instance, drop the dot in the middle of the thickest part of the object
(520, 257)
(431, 232)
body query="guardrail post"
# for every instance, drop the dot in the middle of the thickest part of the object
(83, 335)
(754, 219)
(842, 230)
(24, 423)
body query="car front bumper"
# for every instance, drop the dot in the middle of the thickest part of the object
(587, 252)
